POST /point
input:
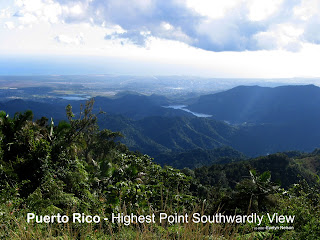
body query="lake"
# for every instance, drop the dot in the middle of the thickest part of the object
(183, 107)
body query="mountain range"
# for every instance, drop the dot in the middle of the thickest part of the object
(251, 120)
(254, 104)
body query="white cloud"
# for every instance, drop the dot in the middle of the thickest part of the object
(307, 13)
(9, 25)
(213, 9)
(215, 25)
(248, 38)
(70, 40)
(36, 11)
(282, 36)
(262, 9)
(166, 26)
(5, 13)
(76, 9)
(307, 9)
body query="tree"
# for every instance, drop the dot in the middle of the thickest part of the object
(255, 193)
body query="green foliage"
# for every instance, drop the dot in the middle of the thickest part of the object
(254, 194)
(76, 167)
(303, 202)
(200, 157)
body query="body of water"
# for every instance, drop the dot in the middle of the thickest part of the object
(183, 107)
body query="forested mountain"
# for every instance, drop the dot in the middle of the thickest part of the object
(39, 109)
(155, 135)
(198, 157)
(285, 168)
(254, 104)
(135, 106)
(276, 119)
(75, 167)
(132, 106)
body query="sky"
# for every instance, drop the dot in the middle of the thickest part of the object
(210, 38)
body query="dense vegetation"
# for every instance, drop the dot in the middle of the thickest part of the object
(72, 166)
(199, 157)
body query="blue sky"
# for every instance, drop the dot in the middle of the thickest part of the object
(212, 38)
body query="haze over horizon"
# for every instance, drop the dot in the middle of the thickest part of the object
(230, 39)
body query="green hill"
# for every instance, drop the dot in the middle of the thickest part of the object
(75, 167)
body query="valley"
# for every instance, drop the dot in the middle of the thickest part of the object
(252, 120)
(99, 149)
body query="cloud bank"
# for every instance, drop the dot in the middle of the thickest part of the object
(212, 25)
